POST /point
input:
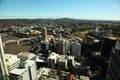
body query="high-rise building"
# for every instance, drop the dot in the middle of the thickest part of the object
(3, 67)
(113, 72)
(106, 47)
(44, 33)
(62, 46)
(44, 42)
(32, 69)
(76, 49)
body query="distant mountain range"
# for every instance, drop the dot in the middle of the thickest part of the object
(66, 19)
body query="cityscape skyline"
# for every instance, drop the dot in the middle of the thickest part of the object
(79, 9)
(58, 49)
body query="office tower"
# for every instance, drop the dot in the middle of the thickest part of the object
(32, 69)
(113, 72)
(44, 42)
(3, 66)
(76, 49)
(62, 46)
(44, 33)
(106, 47)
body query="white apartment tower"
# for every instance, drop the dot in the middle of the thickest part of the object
(3, 66)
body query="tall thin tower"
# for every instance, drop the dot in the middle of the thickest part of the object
(44, 33)
(3, 66)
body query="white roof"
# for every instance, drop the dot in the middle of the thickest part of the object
(29, 63)
(76, 43)
(77, 63)
(96, 40)
(84, 78)
(66, 57)
(44, 71)
(26, 54)
(70, 57)
(63, 58)
(40, 59)
(117, 45)
(53, 55)
(10, 59)
(18, 71)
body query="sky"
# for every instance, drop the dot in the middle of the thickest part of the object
(79, 9)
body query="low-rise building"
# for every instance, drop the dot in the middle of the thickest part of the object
(71, 60)
(26, 55)
(62, 62)
(52, 59)
(65, 61)
(47, 74)
(84, 78)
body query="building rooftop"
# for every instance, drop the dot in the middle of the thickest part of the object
(84, 78)
(66, 57)
(76, 43)
(53, 55)
(63, 58)
(24, 53)
(27, 54)
(96, 40)
(10, 58)
(90, 37)
(29, 63)
(70, 57)
(43, 71)
(47, 74)
(40, 59)
(18, 71)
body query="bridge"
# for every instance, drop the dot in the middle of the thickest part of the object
(35, 45)
(17, 41)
